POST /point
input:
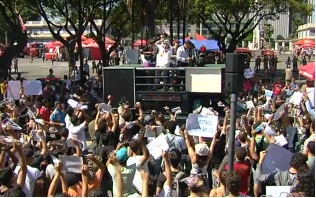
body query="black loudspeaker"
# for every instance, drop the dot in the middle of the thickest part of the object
(119, 83)
(234, 82)
(235, 63)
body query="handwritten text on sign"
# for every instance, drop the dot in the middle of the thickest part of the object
(202, 125)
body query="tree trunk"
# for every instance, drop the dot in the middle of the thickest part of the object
(150, 15)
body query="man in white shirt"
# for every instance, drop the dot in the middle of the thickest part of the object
(77, 130)
(32, 174)
(183, 56)
(76, 75)
(163, 61)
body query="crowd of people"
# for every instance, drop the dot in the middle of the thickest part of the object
(118, 152)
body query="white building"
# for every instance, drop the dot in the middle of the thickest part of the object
(306, 31)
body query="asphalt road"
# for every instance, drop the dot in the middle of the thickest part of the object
(39, 69)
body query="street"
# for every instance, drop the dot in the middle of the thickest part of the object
(39, 69)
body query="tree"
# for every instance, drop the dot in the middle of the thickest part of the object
(268, 30)
(116, 17)
(17, 36)
(237, 19)
(280, 37)
(74, 17)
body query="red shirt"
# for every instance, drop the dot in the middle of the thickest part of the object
(277, 88)
(243, 169)
(45, 113)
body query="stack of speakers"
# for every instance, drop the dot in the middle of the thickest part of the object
(234, 72)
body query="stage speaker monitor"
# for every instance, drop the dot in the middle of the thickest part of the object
(234, 82)
(235, 63)
(119, 83)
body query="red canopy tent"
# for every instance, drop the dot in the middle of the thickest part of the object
(108, 40)
(308, 45)
(305, 42)
(140, 42)
(197, 37)
(308, 71)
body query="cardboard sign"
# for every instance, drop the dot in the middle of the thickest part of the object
(14, 88)
(278, 191)
(33, 87)
(272, 162)
(202, 125)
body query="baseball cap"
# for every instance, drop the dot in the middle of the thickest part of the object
(201, 149)
(121, 155)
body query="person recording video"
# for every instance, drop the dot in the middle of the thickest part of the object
(184, 55)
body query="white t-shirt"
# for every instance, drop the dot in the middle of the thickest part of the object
(139, 167)
(77, 132)
(31, 176)
(165, 192)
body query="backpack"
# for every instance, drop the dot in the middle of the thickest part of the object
(177, 187)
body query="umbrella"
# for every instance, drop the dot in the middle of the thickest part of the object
(140, 42)
(197, 37)
(305, 42)
(308, 45)
(308, 71)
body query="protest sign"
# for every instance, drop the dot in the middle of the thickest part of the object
(14, 88)
(76, 105)
(202, 125)
(249, 73)
(311, 95)
(32, 87)
(272, 162)
(71, 163)
(268, 93)
(249, 104)
(105, 108)
(296, 98)
(14, 126)
(150, 133)
(158, 145)
(278, 191)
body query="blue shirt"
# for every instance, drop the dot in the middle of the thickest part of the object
(58, 116)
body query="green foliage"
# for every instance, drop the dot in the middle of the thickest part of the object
(268, 30)
(238, 18)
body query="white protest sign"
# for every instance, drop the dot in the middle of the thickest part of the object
(150, 133)
(76, 105)
(268, 93)
(105, 108)
(14, 126)
(296, 98)
(202, 125)
(14, 88)
(33, 87)
(71, 163)
(249, 104)
(280, 140)
(249, 73)
(278, 191)
(158, 145)
(279, 112)
(311, 95)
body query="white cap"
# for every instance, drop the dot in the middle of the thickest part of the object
(201, 149)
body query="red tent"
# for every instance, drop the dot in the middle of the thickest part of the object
(308, 71)
(197, 37)
(88, 41)
(54, 44)
(305, 42)
(140, 42)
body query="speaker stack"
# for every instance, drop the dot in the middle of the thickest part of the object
(234, 72)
